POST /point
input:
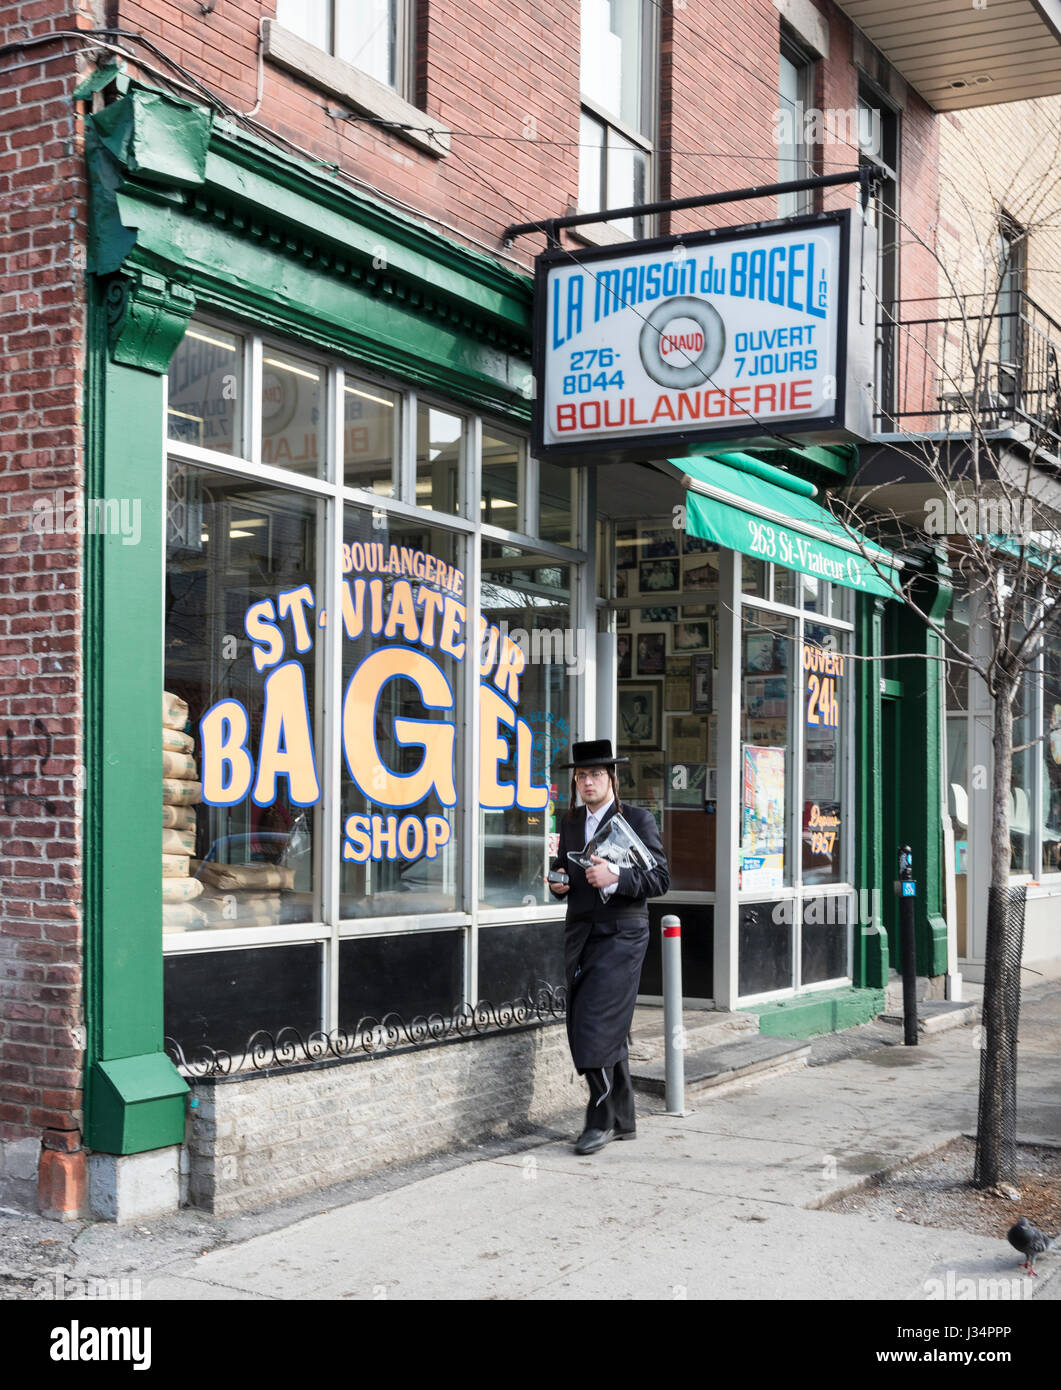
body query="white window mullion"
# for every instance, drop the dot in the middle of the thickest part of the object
(252, 405)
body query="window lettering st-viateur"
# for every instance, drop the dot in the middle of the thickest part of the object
(412, 618)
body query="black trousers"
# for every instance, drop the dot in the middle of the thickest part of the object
(611, 1098)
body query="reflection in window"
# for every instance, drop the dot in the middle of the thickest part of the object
(826, 674)
(403, 647)
(439, 447)
(1051, 812)
(500, 480)
(370, 436)
(556, 511)
(528, 599)
(231, 544)
(205, 390)
(292, 412)
(766, 773)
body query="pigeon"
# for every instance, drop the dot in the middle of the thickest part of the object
(1030, 1241)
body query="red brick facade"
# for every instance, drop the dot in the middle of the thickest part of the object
(484, 70)
(42, 215)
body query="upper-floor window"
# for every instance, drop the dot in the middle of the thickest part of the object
(794, 92)
(373, 35)
(618, 107)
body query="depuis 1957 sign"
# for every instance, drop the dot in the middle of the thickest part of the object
(719, 335)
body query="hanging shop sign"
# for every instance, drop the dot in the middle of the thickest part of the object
(412, 604)
(718, 335)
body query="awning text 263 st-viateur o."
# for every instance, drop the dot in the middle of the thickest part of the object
(745, 504)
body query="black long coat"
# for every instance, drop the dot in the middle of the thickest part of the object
(605, 942)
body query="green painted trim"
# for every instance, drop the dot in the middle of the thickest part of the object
(139, 1104)
(123, 741)
(870, 964)
(924, 702)
(146, 318)
(808, 1015)
(259, 235)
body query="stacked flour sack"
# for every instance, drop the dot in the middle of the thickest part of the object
(181, 793)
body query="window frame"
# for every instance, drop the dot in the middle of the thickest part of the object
(404, 17)
(334, 495)
(643, 140)
(803, 60)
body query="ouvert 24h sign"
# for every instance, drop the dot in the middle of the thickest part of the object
(676, 342)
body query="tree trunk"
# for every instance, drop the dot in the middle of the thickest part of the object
(999, 1047)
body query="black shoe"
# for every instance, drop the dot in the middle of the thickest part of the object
(626, 1134)
(592, 1141)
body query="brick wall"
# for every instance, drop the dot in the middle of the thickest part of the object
(257, 1139)
(1004, 157)
(42, 316)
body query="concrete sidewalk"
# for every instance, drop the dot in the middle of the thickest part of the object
(716, 1204)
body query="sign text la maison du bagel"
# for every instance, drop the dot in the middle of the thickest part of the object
(717, 335)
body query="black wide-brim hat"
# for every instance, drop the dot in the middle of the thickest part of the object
(596, 753)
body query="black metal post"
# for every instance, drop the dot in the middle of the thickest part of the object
(908, 944)
(552, 226)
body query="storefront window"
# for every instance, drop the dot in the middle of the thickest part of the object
(526, 599)
(404, 642)
(826, 675)
(205, 397)
(371, 420)
(439, 458)
(502, 458)
(1021, 784)
(767, 684)
(239, 825)
(292, 401)
(556, 512)
(667, 654)
(1051, 797)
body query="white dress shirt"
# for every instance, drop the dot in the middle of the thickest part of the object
(593, 819)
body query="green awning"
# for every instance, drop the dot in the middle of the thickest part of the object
(744, 504)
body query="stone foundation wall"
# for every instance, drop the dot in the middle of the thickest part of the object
(255, 1138)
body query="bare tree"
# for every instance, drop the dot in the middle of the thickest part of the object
(974, 456)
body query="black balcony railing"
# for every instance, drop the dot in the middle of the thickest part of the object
(944, 363)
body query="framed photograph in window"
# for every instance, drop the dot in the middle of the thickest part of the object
(651, 653)
(639, 716)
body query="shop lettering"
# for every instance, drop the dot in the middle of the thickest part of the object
(784, 275)
(823, 829)
(414, 622)
(676, 406)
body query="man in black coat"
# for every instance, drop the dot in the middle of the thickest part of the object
(604, 942)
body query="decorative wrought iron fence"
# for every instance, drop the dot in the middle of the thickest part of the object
(372, 1036)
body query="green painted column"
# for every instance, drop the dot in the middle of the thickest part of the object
(924, 698)
(870, 966)
(134, 1095)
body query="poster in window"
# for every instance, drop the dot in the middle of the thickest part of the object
(703, 681)
(686, 785)
(676, 687)
(687, 738)
(762, 857)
